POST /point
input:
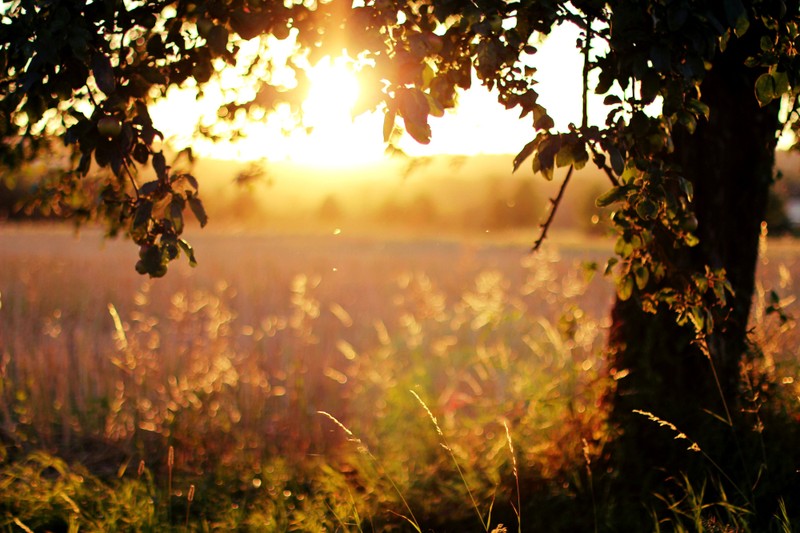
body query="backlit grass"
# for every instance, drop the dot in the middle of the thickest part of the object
(294, 381)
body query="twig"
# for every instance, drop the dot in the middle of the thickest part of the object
(608, 172)
(587, 47)
(554, 202)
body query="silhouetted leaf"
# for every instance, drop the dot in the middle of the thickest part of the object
(160, 165)
(103, 73)
(617, 161)
(199, 211)
(525, 153)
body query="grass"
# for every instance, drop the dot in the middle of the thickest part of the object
(193, 402)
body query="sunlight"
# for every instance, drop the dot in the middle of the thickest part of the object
(334, 91)
(328, 135)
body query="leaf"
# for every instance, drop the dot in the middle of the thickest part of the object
(616, 194)
(781, 82)
(103, 73)
(176, 214)
(140, 153)
(610, 265)
(733, 10)
(642, 276)
(687, 188)
(543, 122)
(699, 108)
(765, 89)
(617, 161)
(388, 125)
(199, 211)
(525, 153)
(218, 40)
(565, 156)
(647, 209)
(435, 109)
(141, 220)
(650, 86)
(160, 165)
(413, 107)
(580, 155)
(625, 288)
(189, 251)
(149, 188)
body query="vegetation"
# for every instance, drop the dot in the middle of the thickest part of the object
(689, 182)
(229, 366)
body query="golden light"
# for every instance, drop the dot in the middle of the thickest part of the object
(334, 91)
(328, 135)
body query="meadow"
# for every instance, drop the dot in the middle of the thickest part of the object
(320, 381)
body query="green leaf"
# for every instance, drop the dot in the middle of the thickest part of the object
(642, 276)
(698, 107)
(697, 316)
(781, 80)
(647, 209)
(565, 156)
(734, 10)
(616, 194)
(687, 120)
(610, 265)
(625, 288)
(766, 91)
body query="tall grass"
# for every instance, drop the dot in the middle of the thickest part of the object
(214, 379)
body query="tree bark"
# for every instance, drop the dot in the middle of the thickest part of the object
(729, 161)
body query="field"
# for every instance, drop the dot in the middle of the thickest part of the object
(317, 382)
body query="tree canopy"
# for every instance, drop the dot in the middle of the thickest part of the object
(86, 72)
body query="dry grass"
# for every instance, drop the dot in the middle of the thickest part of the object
(230, 364)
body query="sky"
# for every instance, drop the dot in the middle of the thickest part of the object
(479, 125)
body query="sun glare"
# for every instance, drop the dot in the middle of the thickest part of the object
(329, 136)
(334, 91)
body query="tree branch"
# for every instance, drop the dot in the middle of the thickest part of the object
(587, 46)
(551, 216)
(612, 178)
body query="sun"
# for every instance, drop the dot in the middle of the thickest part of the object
(333, 93)
(330, 135)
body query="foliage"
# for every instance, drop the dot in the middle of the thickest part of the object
(86, 71)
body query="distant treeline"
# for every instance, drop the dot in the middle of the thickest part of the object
(453, 193)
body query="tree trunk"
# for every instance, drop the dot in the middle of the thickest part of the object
(729, 160)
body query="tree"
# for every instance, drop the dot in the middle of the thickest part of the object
(688, 183)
